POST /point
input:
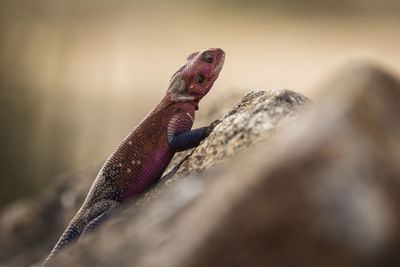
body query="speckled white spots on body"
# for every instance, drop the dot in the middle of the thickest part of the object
(120, 164)
(130, 143)
(135, 162)
(128, 170)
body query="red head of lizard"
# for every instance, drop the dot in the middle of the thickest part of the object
(193, 80)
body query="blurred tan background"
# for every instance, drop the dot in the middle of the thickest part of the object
(77, 76)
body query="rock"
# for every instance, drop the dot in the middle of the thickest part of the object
(251, 122)
(324, 192)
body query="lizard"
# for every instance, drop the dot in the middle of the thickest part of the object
(141, 158)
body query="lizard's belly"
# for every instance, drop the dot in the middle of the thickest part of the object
(136, 175)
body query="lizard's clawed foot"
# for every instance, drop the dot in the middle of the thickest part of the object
(211, 127)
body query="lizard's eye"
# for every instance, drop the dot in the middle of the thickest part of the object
(200, 79)
(208, 58)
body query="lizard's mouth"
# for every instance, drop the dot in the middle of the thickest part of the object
(218, 68)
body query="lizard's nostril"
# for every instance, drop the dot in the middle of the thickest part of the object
(218, 50)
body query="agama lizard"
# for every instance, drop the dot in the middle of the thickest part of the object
(141, 158)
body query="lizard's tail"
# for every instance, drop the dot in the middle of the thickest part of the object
(69, 235)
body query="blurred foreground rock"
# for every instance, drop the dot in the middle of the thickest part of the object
(28, 228)
(132, 237)
(323, 190)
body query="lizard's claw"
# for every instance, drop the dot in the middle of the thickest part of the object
(211, 127)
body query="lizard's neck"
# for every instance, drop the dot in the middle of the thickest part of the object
(166, 102)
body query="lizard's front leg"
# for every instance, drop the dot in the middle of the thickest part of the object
(180, 137)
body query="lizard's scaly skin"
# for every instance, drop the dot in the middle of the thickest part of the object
(141, 158)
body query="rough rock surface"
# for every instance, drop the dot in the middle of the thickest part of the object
(141, 228)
